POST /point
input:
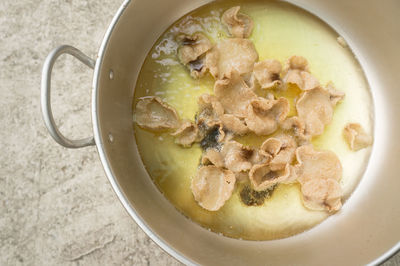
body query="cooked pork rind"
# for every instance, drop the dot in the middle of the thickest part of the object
(237, 157)
(318, 173)
(296, 72)
(280, 150)
(315, 109)
(356, 136)
(239, 25)
(264, 115)
(296, 126)
(314, 164)
(212, 187)
(267, 73)
(192, 52)
(335, 95)
(234, 124)
(186, 134)
(263, 177)
(229, 55)
(322, 194)
(234, 94)
(214, 157)
(152, 113)
(210, 109)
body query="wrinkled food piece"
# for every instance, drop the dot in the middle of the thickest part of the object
(296, 72)
(239, 25)
(233, 94)
(209, 110)
(192, 52)
(264, 115)
(315, 109)
(186, 134)
(262, 177)
(212, 187)
(153, 114)
(234, 124)
(314, 164)
(229, 55)
(296, 126)
(281, 150)
(356, 136)
(322, 194)
(267, 73)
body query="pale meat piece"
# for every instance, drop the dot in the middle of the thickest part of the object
(356, 136)
(267, 73)
(263, 177)
(212, 187)
(335, 95)
(315, 109)
(264, 115)
(281, 150)
(229, 55)
(296, 127)
(296, 72)
(210, 110)
(234, 124)
(314, 164)
(234, 94)
(192, 52)
(239, 25)
(236, 156)
(186, 134)
(214, 157)
(153, 114)
(322, 194)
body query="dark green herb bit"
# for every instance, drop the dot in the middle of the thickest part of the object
(250, 197)
(211, 138)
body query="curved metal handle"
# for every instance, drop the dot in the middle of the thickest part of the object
(45, 95)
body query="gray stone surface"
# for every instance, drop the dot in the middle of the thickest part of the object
(56, 205)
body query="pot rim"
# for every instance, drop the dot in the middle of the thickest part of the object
(117, 189)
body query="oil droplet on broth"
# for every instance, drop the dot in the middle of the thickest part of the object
(281, 30)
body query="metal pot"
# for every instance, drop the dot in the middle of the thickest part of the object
(366, 230)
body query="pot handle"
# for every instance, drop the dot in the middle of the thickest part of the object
(45, 95)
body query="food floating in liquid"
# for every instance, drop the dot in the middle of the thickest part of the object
(239, 124)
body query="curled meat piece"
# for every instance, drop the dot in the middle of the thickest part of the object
(267, 73)
(356, 136)
(152, 113)
(295, 126)
(263, 177)
(239, 25)
(296, 72)
(192, 52)
(186, 134)
(234, 94)
(335, 95)
(314, 164)
(237, 157)
(212, 187)
(315, 109)
(264, 115)
(210, 109)
(229, 55)
(318, 172)
(214, 157)
(234, 124)
(322, 194)
(280, 149)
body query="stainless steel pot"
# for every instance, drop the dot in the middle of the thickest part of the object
(367, 229)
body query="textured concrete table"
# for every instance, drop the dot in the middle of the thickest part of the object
(56, 205)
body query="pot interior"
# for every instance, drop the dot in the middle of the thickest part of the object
(136, 30)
